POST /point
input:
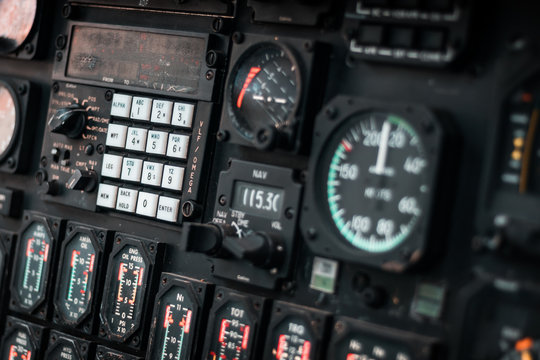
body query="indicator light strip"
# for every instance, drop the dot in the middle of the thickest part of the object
(529, 142)
(306, 350)
(245, 338)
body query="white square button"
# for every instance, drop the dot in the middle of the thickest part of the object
(107, 196)
(151, 174)
(116, 135)
(136, 139)
(112, 166)
(131, 169)
(173, 177)
(168, 209)
(121, 104)
(183, 114)
(141, 108)
(178, 146)
(127, 200)
(147, 204)
(161, 112)
(157, 142)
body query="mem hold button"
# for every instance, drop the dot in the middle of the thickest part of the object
(10, 202)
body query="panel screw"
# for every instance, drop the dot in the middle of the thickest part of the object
(222, 200)
(108, 95)
(238, 38)
(312, 233)
(59, 56)
(100, 149)
(190, 209)
(60, 42)
(217, 25)
(66, 11)
(29, 48)
(11, 162)
(289, 213)
(21, 89)
(43, 161)
(55, 87)
(330, 112)
(222, 135)
(209, 75)
(308, 46)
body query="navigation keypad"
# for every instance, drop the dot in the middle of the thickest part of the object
(147, 147)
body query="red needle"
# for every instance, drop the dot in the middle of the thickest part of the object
(252, 73)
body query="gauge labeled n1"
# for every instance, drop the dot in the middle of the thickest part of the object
(376, 166)
(178, 318)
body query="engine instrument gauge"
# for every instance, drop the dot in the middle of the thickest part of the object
(294, 333)
(378, 171)
(22, 340)
(234, 324)
(8, 118)
(176, 318)
(129, 282)
(33, 265)
(79, 268)
(264, 91)
(17, 18)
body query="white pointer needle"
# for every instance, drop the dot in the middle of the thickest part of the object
(383, 149)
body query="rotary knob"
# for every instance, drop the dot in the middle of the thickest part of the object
(70, 121)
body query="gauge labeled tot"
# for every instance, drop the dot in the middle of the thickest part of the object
(377, 170)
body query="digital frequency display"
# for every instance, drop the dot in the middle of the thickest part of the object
(149, 60)
(258, 200)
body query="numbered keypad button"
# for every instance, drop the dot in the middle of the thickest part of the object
(157, 142)
(141, 108)
(151, 174)
(131, 169)
(178, 146)
(147, 204)
(183, 115)
(173, 177)
(161, 112)
(136, 139)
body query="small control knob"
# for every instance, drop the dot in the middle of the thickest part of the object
(259, 248)
(69, 121)
(82, 180)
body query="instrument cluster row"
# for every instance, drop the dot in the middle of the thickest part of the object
(57, 287)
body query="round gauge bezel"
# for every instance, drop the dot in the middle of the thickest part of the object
(97, 248)
(319, 229)
(15, 137)
(31, 31)
(323, 165)
(291, 121)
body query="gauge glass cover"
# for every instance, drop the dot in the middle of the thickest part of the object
(292, 340)
(377, 181)
(17, 18)
(77, 277)
(8, 119)
(19, 347)
(264, 90)
(33, 264)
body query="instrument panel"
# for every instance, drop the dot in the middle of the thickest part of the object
(240, 180)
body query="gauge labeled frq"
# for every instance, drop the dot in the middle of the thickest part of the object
(80, 272)
(295, 333)
(130, 281)
(377, 166)
(22, 340)
(234, 324)
(178, 318)
(34, 263)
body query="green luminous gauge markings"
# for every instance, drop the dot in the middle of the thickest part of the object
(77, 277)
(33, 262)
(377, 181)
(176, 320)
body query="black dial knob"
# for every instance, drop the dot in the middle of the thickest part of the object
(259, 248)
(82, 180)
(69, 121)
